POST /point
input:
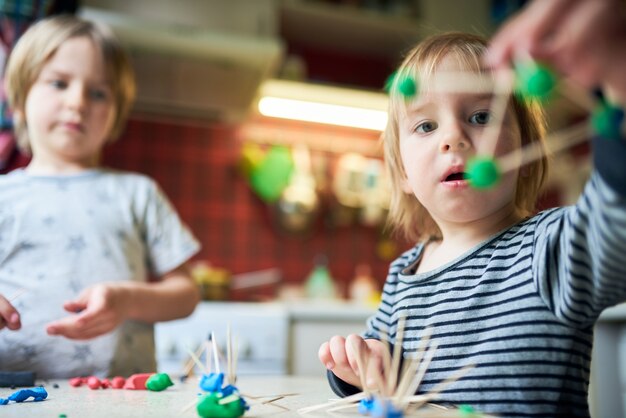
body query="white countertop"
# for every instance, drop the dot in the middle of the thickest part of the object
(83, 402)
(614, 314)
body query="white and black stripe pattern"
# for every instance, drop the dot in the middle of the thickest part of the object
(521, 307)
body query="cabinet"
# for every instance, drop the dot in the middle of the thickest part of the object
(315, 322)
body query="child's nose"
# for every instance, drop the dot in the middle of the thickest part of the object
(454, 140)
(76, 97)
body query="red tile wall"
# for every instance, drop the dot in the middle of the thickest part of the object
(196, 167)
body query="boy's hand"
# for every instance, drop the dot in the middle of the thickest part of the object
(340, 356)
(9, 317)
(98, 310)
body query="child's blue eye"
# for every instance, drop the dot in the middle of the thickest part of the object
(480, 118)
(98, 94)
(58, 84)
(426, 127)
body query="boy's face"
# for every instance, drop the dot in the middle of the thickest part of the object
(69, 109)
(438, 135)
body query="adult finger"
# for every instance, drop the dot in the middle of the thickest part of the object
(527, 32)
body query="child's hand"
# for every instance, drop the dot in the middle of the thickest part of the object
(98, 310)
(9, 317)
(340, 356)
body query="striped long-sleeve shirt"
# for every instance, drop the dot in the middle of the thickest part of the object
(521, 306)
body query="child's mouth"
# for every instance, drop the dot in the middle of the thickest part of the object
(456, 177)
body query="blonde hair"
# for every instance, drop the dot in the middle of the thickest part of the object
(407, 216)
(41, 41)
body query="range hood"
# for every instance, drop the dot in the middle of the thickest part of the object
(193, 72)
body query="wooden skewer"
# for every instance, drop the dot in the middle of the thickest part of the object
(441, 386)
(196, 360)
(348, 399)
(190, 363)
(235, 357)
(229, 356)
(558, 141)
(397, 354)
(498, 106)
(19, 292)
(215, 353)
(422, 370)
(278, 405)
(341, 407)
(362, 369)
(277, 398)
(408, 374)
(384, 337)
(207, 355)
(463, 82)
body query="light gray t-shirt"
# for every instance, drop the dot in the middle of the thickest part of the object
(62, 234)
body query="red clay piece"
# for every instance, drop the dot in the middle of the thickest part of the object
(76, 381)
(106, 383)
(118, 382)
(94, 383)
(137, 381)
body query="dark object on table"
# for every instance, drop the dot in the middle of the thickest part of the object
(16, 379)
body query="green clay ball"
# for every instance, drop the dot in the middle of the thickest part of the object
(606, 121)
(209, 406)
(535, 81)
(407, 87)
(158, 382)
(482, 173)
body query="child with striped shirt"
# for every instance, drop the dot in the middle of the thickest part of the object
(515, 294)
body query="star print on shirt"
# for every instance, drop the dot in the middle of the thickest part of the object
(76, 243)
(27, 352)
(25, 246)
(75, 285)
(48, 221)
(81, 353)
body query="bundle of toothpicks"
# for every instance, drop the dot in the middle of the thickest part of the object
(221, 399)
(394, 392)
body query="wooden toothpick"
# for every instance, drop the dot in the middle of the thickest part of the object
(565, 138)
(19, 292)
(215, 353)
(196, 360)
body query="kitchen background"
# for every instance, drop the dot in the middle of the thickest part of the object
(203, 67)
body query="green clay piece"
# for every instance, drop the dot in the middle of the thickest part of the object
(606, 121)
(407, 87)
(535, 81)
(467, 411)
(209, 406)
(158, 382)
(482, 172)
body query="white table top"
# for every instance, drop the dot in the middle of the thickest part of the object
(83, 402)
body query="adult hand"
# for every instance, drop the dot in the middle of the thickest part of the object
(97, 310)
(582, 39)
